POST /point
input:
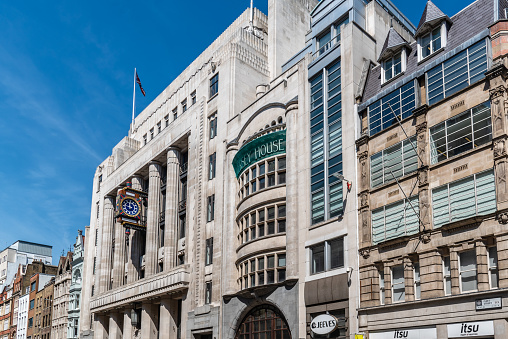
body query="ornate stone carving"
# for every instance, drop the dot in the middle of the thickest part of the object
(421, 128)
(362, 157)
(365, 253)
(499, 148)
(423, 176)
(364, 199)
(425, 237)
(502, 218)
(498, 108)
(497, 92)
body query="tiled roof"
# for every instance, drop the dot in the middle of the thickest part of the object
(467, 24)
(431, 14)
(393, 41)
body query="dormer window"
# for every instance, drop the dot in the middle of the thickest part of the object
(430, 42)
(393, 66)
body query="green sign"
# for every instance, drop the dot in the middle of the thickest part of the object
(258, 149)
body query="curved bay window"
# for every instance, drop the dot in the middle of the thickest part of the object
(263, 322)
(266, 173)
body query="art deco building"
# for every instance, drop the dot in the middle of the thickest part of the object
(432, 179)
(228, 210)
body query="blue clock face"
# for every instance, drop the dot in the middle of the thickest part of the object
(130, 207)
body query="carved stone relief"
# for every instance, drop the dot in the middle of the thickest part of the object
(364, 179)
(499, 148)
(498, 108)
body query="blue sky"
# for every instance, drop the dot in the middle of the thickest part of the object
(66, 71)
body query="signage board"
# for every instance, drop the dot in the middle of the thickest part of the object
(487, 304)
(323, 324)
(406, 333)
(258, 149)
(471, 329)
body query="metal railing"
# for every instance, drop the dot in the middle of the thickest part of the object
(333, 41)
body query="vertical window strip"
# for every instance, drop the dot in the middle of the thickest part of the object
(456, 73)
(402, 101)
(399, 159)
(465, 198)
(395, 220)
(326, 144)
(461, 133)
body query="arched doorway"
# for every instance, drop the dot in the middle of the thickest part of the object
(263, 322)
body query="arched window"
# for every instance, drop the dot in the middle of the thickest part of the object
(263, 322)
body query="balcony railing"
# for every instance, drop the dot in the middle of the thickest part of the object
(182, 205)
(183, 168)
(333, 41)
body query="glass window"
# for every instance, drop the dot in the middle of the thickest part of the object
(263, 322)
(208, 292)
(493, 270)
(327, 256)
(193, 97)
(211, 167)
(416, 277)
(214, 85)
(210, 208)
(209, 251)
(381, 287)
(456, 73)
(395, 220)
(430, 42)
(395, 161)
(465, 198)
(398, 286)
(175, 113)
(184, 105)
(447, 278)
(467, 271)
(461, 133)
(393, 66)
(213, 126)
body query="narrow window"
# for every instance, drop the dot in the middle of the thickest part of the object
(214, 85)
(493, 270)
(381, 287)
(213, 126)
(210, 208)
(159, 127)
(193, 97)
(417, 287)
(184, 105)
(317, 258)
(467, 271)
(175, 113)
(211, 167)
(398, 286)
(208, 292)
(145, 139)
(392, 66)
(209, 251)
(166, 120)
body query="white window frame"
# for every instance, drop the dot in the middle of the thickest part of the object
(392, 285)
(493, 268)
(447, 276)
(442, 34)
(461, 271)
(327, 255)
(417, 282)
(382, 290)
(403, 57)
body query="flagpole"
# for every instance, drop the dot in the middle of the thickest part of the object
(133, 101)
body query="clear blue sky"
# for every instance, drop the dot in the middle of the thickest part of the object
(66, 70)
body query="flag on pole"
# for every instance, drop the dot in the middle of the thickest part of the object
(139, 83)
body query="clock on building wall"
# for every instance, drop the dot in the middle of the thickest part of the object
(129, 208)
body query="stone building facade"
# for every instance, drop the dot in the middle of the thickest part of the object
(43, 311)
(75, 287)
(61, 298)
(432, 179)
(227, 211)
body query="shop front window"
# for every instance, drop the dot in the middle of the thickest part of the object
(263, 322)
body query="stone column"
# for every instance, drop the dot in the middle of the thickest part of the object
(149, 320)
(101, 327)
(152, 219)
(431, 274)
(106, 243)
(409, 279)
(134, 241)
(422, 137)
(115, 325)
(363, 186)
(292, 191)
(502, 259)
(230, 233)
(482, 266)
(172, 196)
(119, 259)
(369, 286)
(454, 270)
(168, 319)
(127, 325)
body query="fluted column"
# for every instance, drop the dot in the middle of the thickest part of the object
(106, 243)
(292, 191)
(168, 319)
(152, 219)
(171, 217)
(134, 241)
(115, 325)
(119, 259)
(127, 324)
(149, 320)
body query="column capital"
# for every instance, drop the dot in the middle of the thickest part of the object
(173, 149)
(292, 106)
(154, 162)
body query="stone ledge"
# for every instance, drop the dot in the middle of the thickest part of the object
(155, 286)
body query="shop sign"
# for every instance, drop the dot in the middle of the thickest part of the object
(258, 149)
(472, 329)
(414, 333)
(487, 304)
(324, 324)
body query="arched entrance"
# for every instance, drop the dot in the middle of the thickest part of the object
(263, 322)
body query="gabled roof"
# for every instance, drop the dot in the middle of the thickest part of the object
(431, 15)
(392, 43)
